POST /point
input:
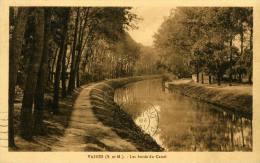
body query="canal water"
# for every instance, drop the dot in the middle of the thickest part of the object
(180, 123)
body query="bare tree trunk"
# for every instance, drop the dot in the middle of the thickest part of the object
(241, 54)
(53, 64)
(218, 74)
(78, 79)
(71, 84)
(31, 81)
(88, 42)
(84, 64)
(230, 62)
(42, 80)
(75, 76)
(219, 79)
(15, 52)
(63, 74)
(68, 61)
(251, 57)
(202, 78)
(197, 72)
(62, 54)
(76, 70)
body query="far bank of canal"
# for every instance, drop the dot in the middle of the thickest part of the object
(236, 98)
(181, 123)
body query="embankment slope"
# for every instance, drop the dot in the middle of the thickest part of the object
(231, 98)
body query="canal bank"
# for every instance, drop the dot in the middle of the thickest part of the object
(111, 115)
(97, 123)
(236, 98)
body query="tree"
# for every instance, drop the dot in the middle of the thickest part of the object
(96, 30)
(42, 76)
(250, 53)
(15, 52)
(62, 53)
(71, 85)
(31, 80)
(92, 41)
(203, 36)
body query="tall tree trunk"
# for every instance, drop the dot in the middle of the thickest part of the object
(197, 72)
(75, 76)
(31, 80)
(78, 78)
(62, 54)
(15, 52)
(42, 80)
(75, 72)
(71, 84)
(202, 78)
(219, 79)
(241, 53)
(218, 74)
(53, 64)
(68, 61)
(230, 62)
(250, 57)
(63, 74)
(88, 42)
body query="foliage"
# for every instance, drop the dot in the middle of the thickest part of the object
(204, 39)
(67, 46)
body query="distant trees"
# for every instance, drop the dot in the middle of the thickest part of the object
(148, 62)
(55, 50)
(210, 40)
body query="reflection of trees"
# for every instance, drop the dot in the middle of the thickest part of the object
(203, 127)
(223, 132)
(208, 129)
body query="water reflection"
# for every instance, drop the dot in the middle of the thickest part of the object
(182, 123)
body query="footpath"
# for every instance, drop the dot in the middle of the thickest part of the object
(98, 124)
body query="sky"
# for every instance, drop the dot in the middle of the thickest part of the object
(152, 19)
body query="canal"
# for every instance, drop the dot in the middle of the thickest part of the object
(180, 123)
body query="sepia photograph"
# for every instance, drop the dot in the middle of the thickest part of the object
(130, 79)
(158, 79)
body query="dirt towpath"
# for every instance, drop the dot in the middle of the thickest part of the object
(97, 123)
(86, 132)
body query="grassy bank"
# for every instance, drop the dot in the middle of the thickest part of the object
(110, 114)
(236, 98)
